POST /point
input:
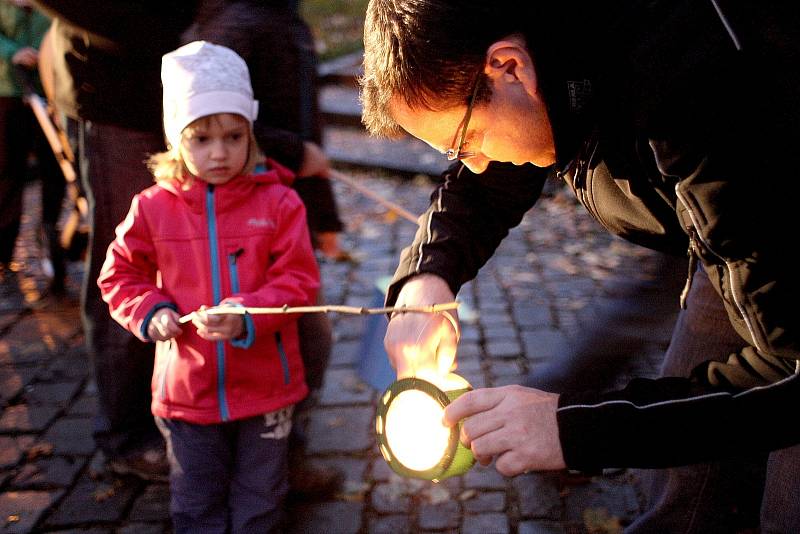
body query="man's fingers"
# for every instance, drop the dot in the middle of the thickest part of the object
(478, 425)
(470, 403)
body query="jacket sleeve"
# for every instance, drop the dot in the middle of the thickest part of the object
(470, 214)
(292, 276)
(127, 279)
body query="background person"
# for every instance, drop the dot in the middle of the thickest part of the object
(106, 61)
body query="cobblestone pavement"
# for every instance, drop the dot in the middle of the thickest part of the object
(525, 301)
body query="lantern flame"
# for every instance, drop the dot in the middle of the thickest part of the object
(415, 431)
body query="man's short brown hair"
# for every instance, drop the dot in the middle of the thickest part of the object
(427, 52)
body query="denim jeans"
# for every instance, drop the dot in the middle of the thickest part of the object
(113, 171)
(725, 496)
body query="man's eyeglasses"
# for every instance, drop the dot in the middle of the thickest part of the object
(453, 154)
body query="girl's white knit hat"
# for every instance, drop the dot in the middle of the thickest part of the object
(201, 79)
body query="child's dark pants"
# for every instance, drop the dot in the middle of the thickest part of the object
(228, 477)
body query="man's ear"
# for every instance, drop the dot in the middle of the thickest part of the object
(508, 61)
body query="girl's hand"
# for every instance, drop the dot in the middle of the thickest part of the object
(164, 325)
(218, 327)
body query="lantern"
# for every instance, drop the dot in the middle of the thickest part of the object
(411, 436)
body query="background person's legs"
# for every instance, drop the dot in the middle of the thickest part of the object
(115, 171)
(13, 162)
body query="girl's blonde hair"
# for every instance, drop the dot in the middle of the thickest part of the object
(169, 165)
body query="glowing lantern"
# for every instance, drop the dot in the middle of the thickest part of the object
(411, 436)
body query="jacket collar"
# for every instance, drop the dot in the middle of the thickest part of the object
(231, 194)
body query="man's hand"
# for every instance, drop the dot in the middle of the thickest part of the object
(218, 327)
(514, 424)
(416, 341)
(164, 325)
(315, 162)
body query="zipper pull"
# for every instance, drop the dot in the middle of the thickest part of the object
(235, 255)
(692, 268)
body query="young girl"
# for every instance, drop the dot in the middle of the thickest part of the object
(211, 233)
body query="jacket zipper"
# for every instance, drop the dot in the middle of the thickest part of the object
(284, 359)
(737, 299)
(217, 289)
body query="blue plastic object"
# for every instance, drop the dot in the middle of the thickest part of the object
(374, 367)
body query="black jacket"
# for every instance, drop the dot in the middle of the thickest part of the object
(279, 50)
(674, 124)
(107, 56)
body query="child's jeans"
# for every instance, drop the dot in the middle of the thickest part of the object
(228, 477)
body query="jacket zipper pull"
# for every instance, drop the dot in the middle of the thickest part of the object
(692, 269)
(235, 255)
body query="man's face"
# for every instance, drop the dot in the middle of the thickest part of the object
(512, 127)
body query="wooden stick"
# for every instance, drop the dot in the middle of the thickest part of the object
(241, 310)
(336, 175)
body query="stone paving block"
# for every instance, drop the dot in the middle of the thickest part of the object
(467, 364)
(144, 528)
(529, 317)
(24, 418)
(74, 364)
(57, 472)
(71, 435)
(21, 510)
(617, 497)
(343, 386)
(543, 345)
(13, 449)
(349, 328)
(439, 516)
(84, 405)
(13, 380)
(345, 353)
(503, 348)
(341, 430)
(491, 501)
(390, 498)
(91, 501)
(353, 469)
(14, 352)
(470, 334)
(379, 469)
(503, 367)
(469, 350)
(486, 524)
(152, 505)
(327, 517)
(480, 477)
(58, 394)
(498, 332)
(538, 496)
(390, 524)
(539, 527)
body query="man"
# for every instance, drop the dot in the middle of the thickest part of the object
(671, 122)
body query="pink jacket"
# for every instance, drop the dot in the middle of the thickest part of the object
(244, 243)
